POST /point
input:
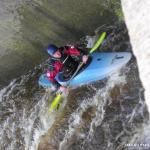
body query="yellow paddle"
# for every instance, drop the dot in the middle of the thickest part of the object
(58, 97)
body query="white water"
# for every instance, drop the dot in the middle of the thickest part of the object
(37, 121)
(22, 126)
(99, 101)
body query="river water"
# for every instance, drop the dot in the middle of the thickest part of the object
(103, 115)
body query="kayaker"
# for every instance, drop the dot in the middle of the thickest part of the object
(59, 59)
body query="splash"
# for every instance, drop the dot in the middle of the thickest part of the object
(98, 102)
(24, 114)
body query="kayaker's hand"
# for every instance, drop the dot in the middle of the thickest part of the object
(63, 89)
(84, 59)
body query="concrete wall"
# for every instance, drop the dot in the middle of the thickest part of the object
(137, 18)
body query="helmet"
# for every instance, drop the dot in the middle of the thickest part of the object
(52, 49)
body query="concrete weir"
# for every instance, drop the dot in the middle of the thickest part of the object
(137, 19)
(26, 28)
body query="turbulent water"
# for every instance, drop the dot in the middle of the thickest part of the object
(104, 115)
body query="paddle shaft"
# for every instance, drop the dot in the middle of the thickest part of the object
(96, 45)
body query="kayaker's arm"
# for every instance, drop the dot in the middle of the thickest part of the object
(51, 76)
(52, 71)
(56, 86)
(78, 54)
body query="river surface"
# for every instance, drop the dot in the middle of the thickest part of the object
(101, 116)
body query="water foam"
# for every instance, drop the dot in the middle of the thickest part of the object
(99, 101)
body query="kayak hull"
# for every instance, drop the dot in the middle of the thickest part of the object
(100, 67)
(44, 82)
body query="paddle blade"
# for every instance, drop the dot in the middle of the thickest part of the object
(99, 41)
(55, 102)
